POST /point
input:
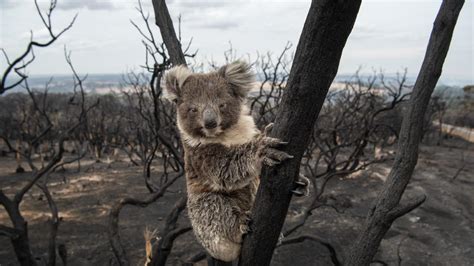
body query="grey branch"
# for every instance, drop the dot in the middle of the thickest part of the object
(387, 207)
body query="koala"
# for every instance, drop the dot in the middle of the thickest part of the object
(224, 152)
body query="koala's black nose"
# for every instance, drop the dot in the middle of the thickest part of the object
(210, 124)
(210, 118)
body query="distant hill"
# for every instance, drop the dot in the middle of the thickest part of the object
(103, 83)
(64, 83)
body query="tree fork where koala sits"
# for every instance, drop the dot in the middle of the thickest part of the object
(327, 27)
(388, 207)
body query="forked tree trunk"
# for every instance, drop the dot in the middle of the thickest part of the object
(19, 232)
(327, 27)
(21, 245)
(388, 207)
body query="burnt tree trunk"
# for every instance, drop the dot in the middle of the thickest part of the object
(164, 22)
(319, 50)
(162, 250)
(19, 237)
(388, 207)
(19, 233)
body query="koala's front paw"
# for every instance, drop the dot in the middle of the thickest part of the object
(268, 148)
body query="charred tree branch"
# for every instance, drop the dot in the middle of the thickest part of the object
(387, 206)
(164, 22)
(317, 57)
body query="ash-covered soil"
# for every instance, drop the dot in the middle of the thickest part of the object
(440, 232)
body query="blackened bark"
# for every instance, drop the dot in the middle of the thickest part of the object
(388, 207)
(19, 239)
(21, 243)
(319, 50)
(113, 228)
(54, 224)
(164, 22)
(162, 250)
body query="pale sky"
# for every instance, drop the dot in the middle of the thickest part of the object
(388, 35)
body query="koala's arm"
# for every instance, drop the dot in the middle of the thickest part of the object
(230, 168)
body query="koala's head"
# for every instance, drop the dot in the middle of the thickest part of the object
(208, 104)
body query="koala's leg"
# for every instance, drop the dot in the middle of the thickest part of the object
(223, 249)
(228, 248)
(218, 224)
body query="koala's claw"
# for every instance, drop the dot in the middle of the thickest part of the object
(269, 148)
(245, 224)
(277, 154)
(297, 193)
(245, 229)
(280, 239)
(270, 162)
(301, 186)
(300, 183)
(272, 142)
(274, 157)
(267, 129)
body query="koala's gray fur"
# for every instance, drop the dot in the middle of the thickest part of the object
(224, 152)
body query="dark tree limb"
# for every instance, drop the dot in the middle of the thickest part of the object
(70, 161)
(54, 224)
(387, 207)
(62, 251)
(8, 231)
(406, 207)
(20, 240)
(317, 57)
(113, 228)
(56, 159)
(16, 65)
(162, 250)
(164, 22)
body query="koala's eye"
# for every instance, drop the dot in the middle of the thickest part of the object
(222, 105)
(193, 110)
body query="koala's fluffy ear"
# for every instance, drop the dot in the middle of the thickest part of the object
(240, 76)
(174, 81)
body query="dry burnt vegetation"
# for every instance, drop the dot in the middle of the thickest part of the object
(99, 179)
